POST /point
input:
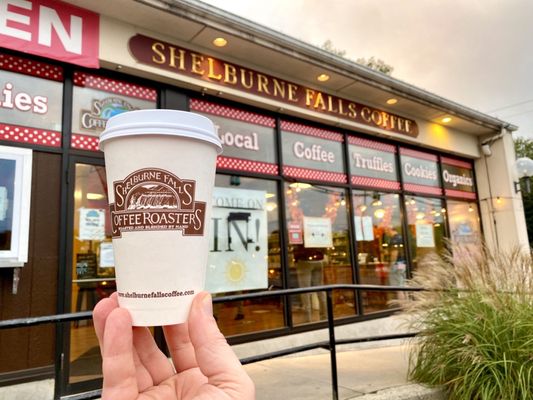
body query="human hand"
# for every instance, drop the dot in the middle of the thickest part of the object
(203, 364)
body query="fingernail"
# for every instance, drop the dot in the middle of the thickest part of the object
(207, 305)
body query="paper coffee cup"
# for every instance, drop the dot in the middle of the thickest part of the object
(160, 167)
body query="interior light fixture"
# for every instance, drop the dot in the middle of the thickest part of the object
(323, 77)
(220, 42)
(445, 120)
(392, 101)
(376, 202)
(379, 213)
(271, 206)
(94, 196)
(470, 208)
(300, 185)
(270, 195)
(498, 200)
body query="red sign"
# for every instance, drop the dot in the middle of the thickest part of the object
(295, 233)
(50, 29)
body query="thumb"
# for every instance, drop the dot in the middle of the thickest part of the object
(215, 358)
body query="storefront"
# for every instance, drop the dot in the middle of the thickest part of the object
(318, 183)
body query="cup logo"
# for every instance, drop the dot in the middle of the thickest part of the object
(153, 199)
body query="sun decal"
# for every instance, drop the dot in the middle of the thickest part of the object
(235, 271)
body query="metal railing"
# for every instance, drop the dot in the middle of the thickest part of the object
(329, 344)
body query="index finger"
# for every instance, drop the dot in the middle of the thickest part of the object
(100, 313)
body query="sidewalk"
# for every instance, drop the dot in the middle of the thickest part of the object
(375, 373)
(366, 374)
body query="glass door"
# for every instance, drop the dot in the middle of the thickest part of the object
(92, 266)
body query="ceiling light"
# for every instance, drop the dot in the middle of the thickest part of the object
(392, 101)
(445, 120)
(323, 77)
(220, 42)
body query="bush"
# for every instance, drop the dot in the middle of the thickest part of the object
(476, 324)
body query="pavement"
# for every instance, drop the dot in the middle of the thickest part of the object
(364, 373)
(378, 373)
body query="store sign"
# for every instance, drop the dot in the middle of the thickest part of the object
(420, 172)
(92, 108)
(364, 228)
(457, 176)
(107, 255)
(178, 60)
(312, 152)
(244, 140)
(92, 224)
(51, 29)
(373, 168)
(318, 232)
(30, 102)
(238, 243)
(101, 110)
(295, 233)
(425, 236)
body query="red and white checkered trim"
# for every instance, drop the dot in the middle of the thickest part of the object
(110, 85)
(246, 165)
(411, 187)
(22, 134)
(460, 194)
(31, 67)
(375, 183)
(84, 142)
(311, 131)
(314, 174)
(370, 144)
(230, 112)
(456, 163)
(418, 154)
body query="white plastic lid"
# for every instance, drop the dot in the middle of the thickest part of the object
(161, 122)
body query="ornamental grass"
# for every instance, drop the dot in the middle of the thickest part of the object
(476, 324)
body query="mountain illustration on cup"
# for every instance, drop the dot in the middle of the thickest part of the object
(146, 197)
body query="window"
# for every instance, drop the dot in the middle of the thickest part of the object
(244, 253)
(465, 229)
(380, 245)
(426, 222)
(319, 249)
(15, 193)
